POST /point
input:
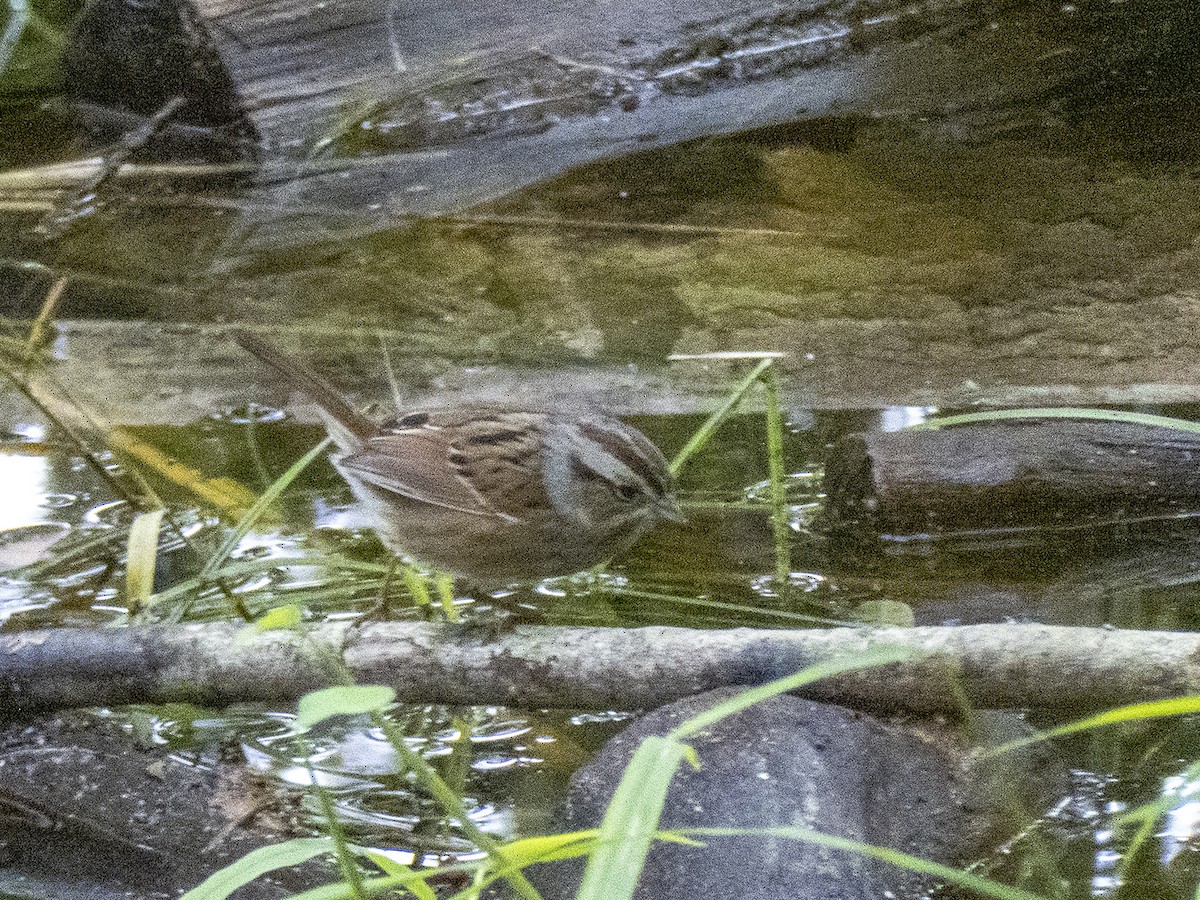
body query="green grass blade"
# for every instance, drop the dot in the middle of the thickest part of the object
(444, 585)
(1134, 712)
(256, 863)
(705, 431)
(389, 866)
(452, 804)
(526, 851)
(981, 886)
(417, 586)
(142, 559)
(631, 821)
(269, 496)
(250, 567)
(371, 887)
(352, 877)
(744, 608)
(881, 656)
(780, 527)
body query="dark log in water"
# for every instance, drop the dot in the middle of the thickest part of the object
(1006, 475)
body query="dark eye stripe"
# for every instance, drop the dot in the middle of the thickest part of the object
(583, 473)
(654, 458)
(623, 446)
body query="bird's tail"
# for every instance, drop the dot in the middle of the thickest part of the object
(349, 428)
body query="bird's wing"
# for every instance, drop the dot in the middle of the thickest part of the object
(415, 465)
(484, 464)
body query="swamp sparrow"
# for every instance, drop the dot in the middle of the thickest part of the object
(489, 492)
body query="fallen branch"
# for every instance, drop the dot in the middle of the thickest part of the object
(1064, 668)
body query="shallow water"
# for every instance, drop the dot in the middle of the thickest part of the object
(512, 766)
(1014, 224)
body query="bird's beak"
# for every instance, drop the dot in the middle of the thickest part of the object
(670, 510)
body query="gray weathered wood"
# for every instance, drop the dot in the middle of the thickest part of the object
(1060, 668)
(1011, 474)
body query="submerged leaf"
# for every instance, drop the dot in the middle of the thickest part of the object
(344, 700)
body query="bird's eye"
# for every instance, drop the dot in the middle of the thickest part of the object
(627, 491)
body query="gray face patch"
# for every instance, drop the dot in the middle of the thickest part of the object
(603, 453)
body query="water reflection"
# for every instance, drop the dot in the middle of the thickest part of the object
(1181, 827)
(26, 489)
(896, 417)
(484, 752)
(715, 571)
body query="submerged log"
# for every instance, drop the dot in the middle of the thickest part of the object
(363, 113)
(1000, 666)
(1010, 475)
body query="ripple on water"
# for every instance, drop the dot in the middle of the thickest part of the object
(249, 414)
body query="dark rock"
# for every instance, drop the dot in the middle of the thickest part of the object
(793, 762)
(125, 61)
(87, 813)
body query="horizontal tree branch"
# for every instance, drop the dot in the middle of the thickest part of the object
(1009, 665)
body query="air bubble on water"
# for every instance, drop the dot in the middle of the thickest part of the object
(254, 551)
(765, 586)
(500, 731)
(600, 718)
(493, 763)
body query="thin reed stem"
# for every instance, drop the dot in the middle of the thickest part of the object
(780, 525)
(705, 431)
